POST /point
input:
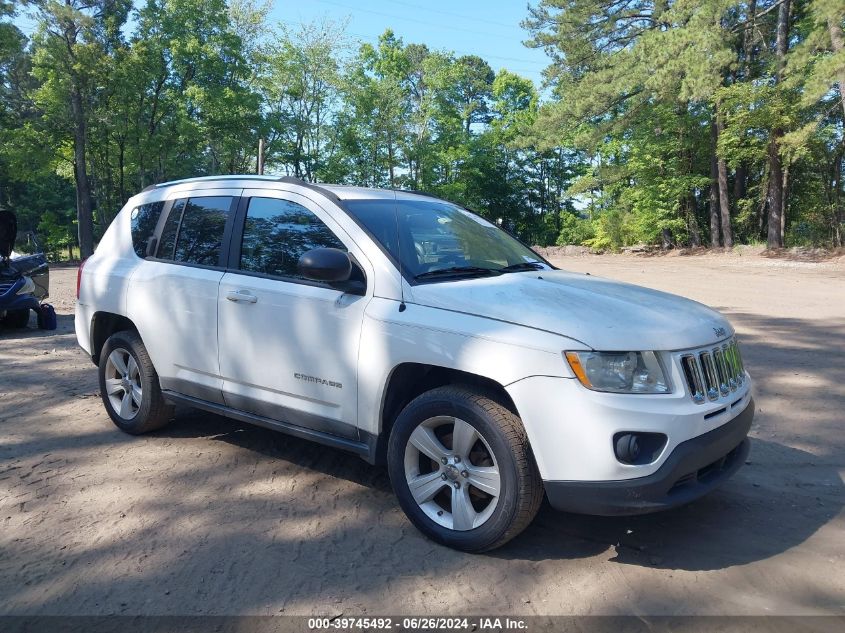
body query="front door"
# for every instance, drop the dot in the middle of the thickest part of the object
(288, 347)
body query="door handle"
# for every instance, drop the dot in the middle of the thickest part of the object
(241, 296)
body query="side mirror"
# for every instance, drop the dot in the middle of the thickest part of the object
(329, 265)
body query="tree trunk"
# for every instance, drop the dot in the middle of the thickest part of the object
(692, 221)
(724, 206)
(121, 161)
(784, 205)
(559, 189)
(714, 190)
(84, 205)
(837, 202)
(837, 40)
(775, 194)
(740, 183)
(774, 238)
(390, 163)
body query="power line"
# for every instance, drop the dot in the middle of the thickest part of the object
(375, 38)
(482, 55)
(456, 15)
(31, 30)
(402, 17)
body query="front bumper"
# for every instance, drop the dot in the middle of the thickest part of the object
(694, 468)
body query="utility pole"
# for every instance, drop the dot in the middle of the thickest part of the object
(260, 156)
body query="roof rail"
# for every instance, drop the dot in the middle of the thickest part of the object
(289, 179)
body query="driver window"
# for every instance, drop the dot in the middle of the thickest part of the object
(277, 233)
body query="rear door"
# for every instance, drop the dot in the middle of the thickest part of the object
(288, 346)
(173, 294)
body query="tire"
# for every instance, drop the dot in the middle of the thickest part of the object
(490, 509)
(16, 319)
(129, 385)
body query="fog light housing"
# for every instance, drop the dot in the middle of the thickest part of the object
(638, 448)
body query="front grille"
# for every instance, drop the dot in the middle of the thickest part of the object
(713, 373)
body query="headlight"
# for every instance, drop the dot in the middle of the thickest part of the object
(619, 372)
(28, 287)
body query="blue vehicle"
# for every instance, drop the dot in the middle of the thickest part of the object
(24, 280)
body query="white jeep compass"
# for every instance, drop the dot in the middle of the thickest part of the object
(411, 332)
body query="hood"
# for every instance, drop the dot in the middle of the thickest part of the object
(8, 233)
(603, 314)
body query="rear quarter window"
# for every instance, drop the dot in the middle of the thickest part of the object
(193, 232)
(143, 221)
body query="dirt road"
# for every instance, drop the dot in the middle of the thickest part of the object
(212, 516)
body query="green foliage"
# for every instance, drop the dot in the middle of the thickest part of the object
(574, 230)
(620, 151)
(609, 230)
(639, 86)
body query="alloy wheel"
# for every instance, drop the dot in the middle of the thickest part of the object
(123, 383)
(452, 473)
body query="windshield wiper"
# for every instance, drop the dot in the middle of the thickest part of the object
(513, 268)
(457, 271)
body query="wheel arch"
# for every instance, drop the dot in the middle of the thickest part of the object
(409, 380)
(103, 325)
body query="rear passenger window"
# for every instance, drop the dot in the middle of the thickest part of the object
(144, 220)
(277, 233)
(201, 232)
(193, 233)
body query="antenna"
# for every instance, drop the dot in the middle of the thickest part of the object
(402, 305)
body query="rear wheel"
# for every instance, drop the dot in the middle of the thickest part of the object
(129, 385)
(462, 469)
(16, 319)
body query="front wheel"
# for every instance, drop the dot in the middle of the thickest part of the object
(462, 469)
(129, 385)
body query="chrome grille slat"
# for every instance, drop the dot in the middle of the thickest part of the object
(713, 373)
(721, 370)
(740, 375)
(729, 361)
(740, 366)
(706, 360)
(695, 379)
(729, 370)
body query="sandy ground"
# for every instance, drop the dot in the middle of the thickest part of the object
(212, 516)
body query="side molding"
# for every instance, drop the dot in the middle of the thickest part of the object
(365, 450)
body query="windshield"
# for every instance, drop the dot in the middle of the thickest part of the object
(440, 240)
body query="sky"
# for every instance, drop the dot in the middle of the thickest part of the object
(487, 28)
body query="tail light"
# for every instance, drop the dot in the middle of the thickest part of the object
(79, 275)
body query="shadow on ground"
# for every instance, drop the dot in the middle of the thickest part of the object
(64, 324)
(741, 522)
(779, 499)
(214, 516)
